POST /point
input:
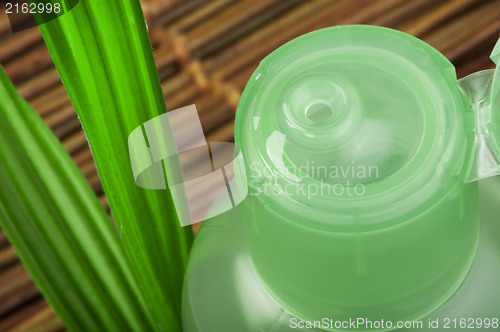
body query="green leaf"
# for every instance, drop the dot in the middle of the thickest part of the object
(58, 227)
(103, 54)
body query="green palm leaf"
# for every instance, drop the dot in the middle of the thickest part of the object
(103, 54)
(58, 227)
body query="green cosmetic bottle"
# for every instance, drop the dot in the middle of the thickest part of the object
(360, 159)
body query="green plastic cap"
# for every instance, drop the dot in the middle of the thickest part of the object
(482, 91)
(372, 112)
(495, 103)
(357, 148)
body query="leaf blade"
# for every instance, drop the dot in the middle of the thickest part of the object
(102, 52)
(58, 227)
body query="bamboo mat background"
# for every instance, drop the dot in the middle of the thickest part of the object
(205, 52)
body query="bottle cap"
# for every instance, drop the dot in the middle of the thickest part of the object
(358, 147)
(482, 90)
(369, 117)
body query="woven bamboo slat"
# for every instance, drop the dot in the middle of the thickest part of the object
(446, 10)
(205, 52)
